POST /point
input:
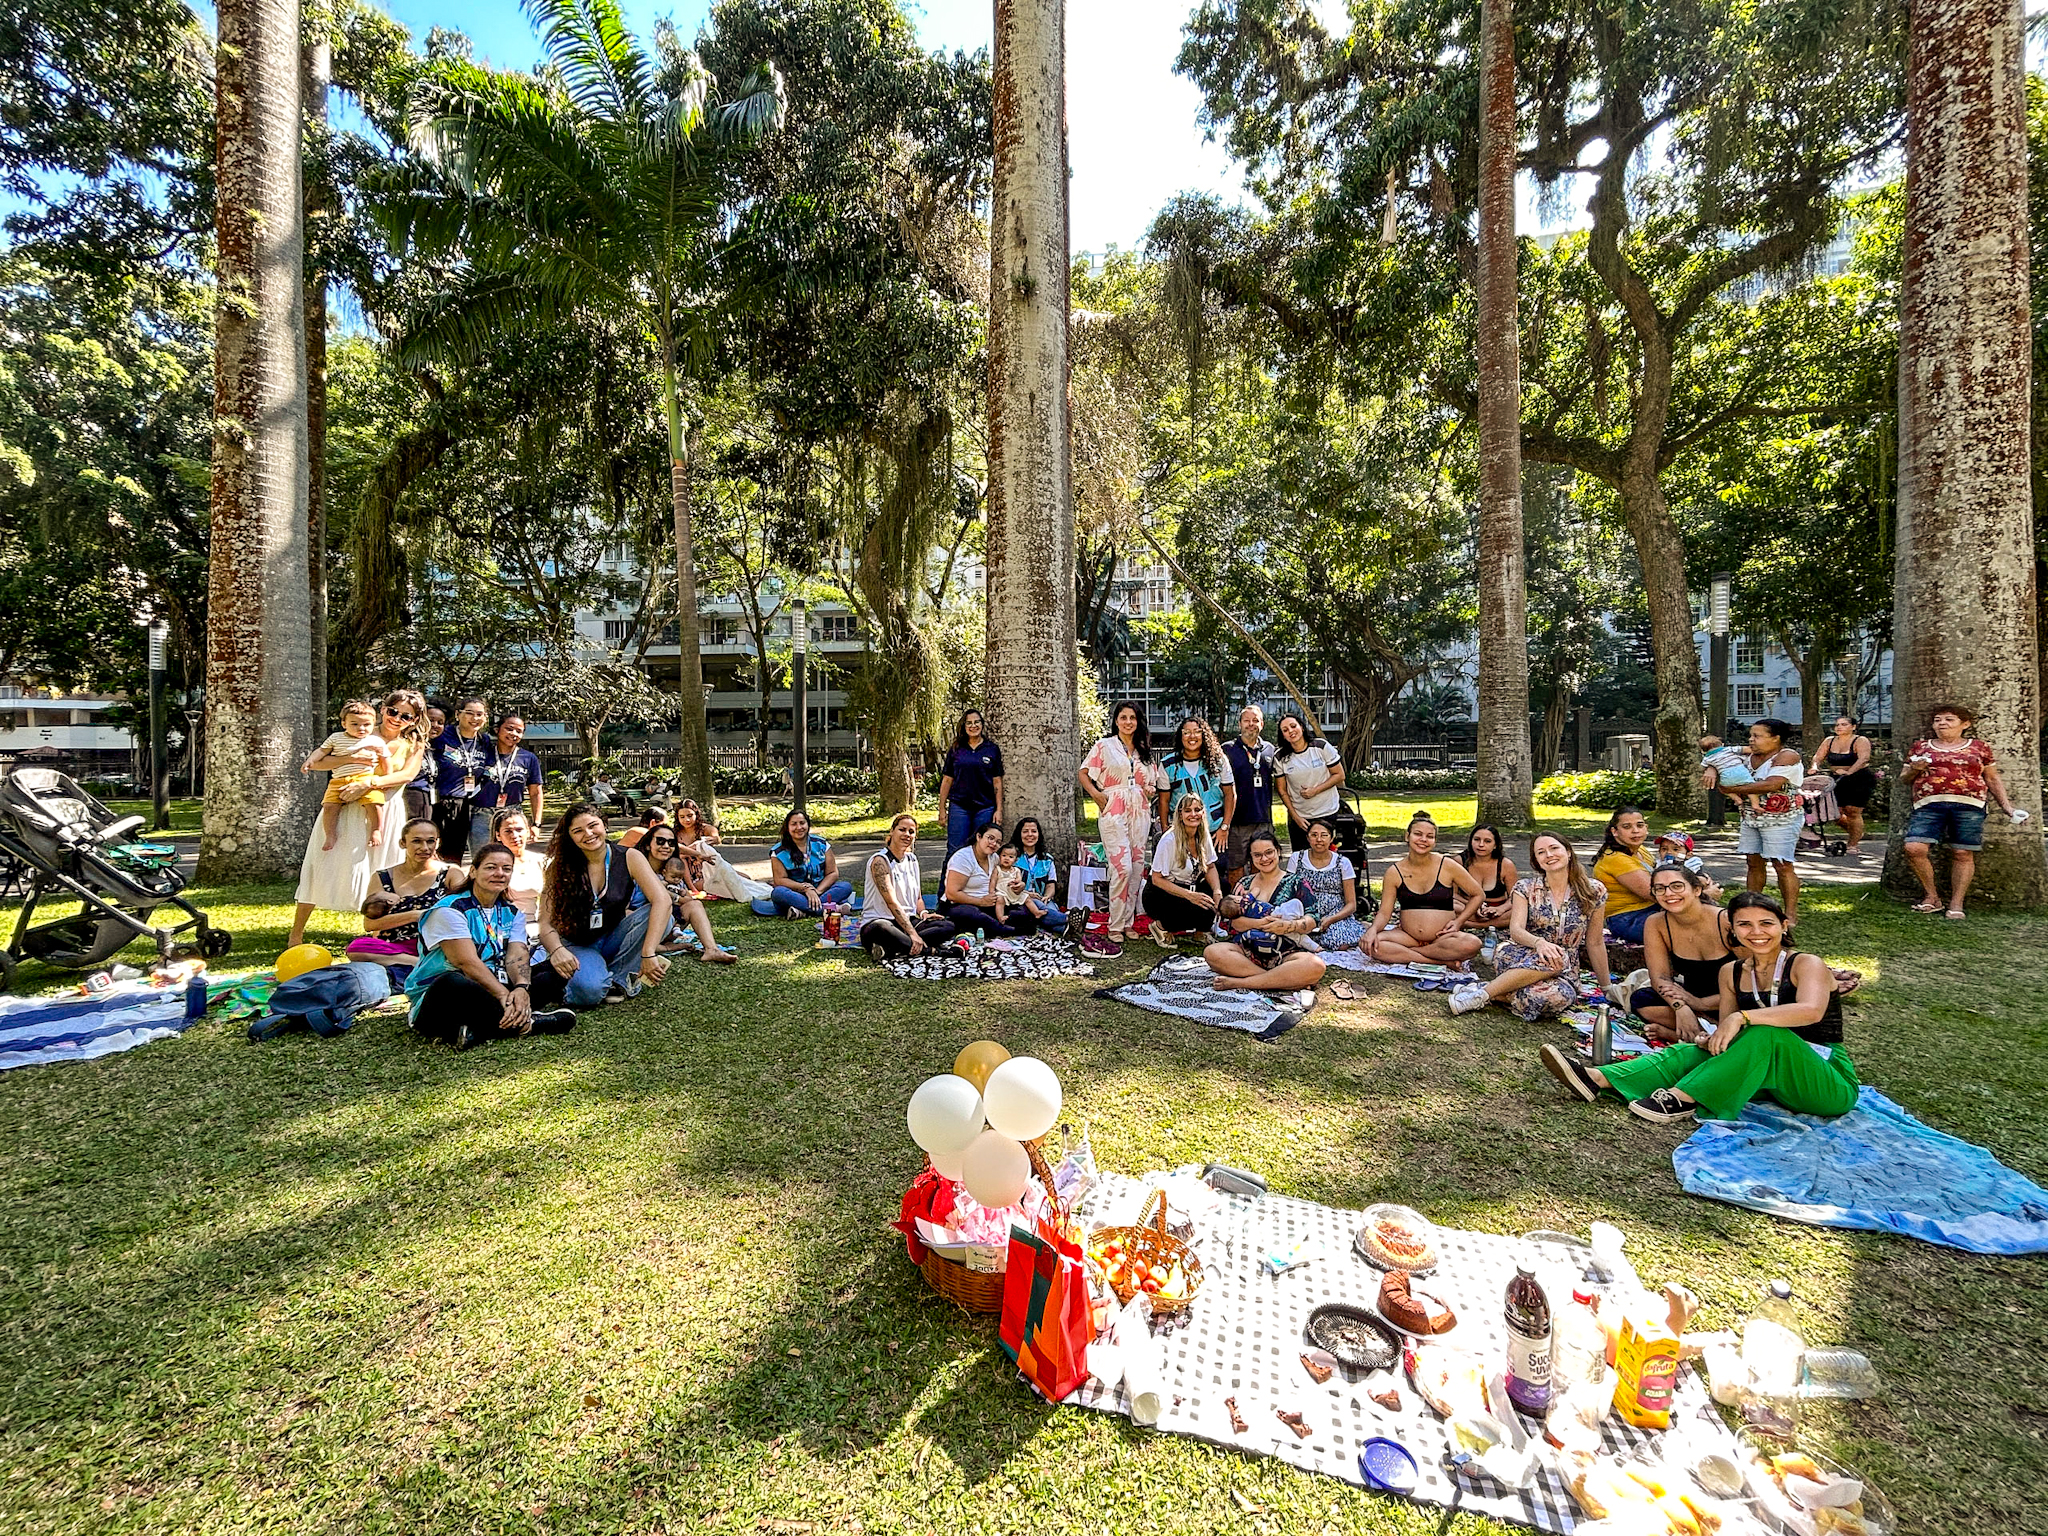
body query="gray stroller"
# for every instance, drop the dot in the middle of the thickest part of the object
(58, 843)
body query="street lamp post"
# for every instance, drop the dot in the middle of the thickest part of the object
(800, 711)
(1719, 594)
(159, 769)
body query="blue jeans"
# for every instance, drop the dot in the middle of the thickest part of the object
(784, 902)
(613, 961)
(1054, 920)
(1628, 926)
(1945, 821)
(962, 822)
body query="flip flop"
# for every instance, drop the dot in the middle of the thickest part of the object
(1344, 990)
(1929, 907)
(1954, 916)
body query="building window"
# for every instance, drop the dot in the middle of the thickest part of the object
(617, 630)
(1749, 655)
(1752, 701)
(719, 632)
(836, 627)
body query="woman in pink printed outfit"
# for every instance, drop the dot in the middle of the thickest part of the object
(1120, 778)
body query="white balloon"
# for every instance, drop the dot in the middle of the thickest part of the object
(994, 1169)
(946, 1165)
(944, 1114)
(1022, 1099)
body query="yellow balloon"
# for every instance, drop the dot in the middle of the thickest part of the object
(301, 958)
(978, 1060)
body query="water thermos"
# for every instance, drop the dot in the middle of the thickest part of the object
(195, 995)
(1603, 1035)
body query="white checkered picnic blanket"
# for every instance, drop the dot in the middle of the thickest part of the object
(1244, 1341)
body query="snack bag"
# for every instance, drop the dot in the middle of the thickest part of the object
(1646, 1370)
(1047, 1318)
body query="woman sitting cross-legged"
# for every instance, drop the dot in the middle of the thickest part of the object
(1182, 889)
(1425, 898)
(895, 923)
(1329, 884)
(1268, 916)
(473, 983)
(684, 905)
(1776, 1006)
(1623, 865)
(1685, 944)
(1039, 872)
(1556, 911)
(602, 913)
(391, 922)
(803, 872)
(973, 896)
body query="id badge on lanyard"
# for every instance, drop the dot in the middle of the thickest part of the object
(597, 898)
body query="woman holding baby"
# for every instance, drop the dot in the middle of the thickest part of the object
(1772, 812)
(1268, 916)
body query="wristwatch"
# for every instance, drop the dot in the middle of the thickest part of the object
(520, 986)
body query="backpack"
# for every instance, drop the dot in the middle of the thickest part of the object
(325, 1001)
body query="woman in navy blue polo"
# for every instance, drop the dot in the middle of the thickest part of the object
(971, 790)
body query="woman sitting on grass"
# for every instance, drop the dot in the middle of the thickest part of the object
(973, 896)
(1685, 944)
(510, 826)
(1776, 1006)
(685, 906)
(602, 913)
(1486, 859)
(1556, 911)
(474, 983)
(1425, 897)
(895, 923)
(1183, 888)
(1329, 884)
(803, 872)
(1267, 914)
(1041, 875)
(1623, 865)
(391, 922)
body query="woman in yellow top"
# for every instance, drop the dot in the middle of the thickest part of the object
(1624, 866)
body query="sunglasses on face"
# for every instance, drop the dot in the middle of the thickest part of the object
(662, 842)
(399, 715)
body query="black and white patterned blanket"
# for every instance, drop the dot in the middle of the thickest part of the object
(1181, 986)
(1031, 958)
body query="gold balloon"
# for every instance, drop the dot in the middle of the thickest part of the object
(978, 1060)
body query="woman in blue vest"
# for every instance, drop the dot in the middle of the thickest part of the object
(1041, 875)
(803, 873)
(474, 982)
(1199, 768)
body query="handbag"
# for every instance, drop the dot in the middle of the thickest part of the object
(1047, 1317)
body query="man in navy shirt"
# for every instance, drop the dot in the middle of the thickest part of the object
(511, 774)
(971, 789)
(1251, 765)
(459, 755)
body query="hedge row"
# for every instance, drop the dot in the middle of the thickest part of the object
(1599, 791)
(1399, 780)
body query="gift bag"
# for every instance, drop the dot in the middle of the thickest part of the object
(1047, 1320)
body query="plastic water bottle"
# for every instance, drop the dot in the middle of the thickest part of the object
(1773, 1354)
(1580, 1391)
(1529, 1336)
(195, 996)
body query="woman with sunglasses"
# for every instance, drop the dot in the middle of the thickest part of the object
(338, 879)
(686, 905)
(1686, 941)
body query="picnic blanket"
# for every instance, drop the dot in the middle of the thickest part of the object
(1180, 985)
(1033, 957)
(39, 1031)
(1244, 1337)
(1875, 1169)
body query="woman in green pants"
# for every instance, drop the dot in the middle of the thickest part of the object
(1776, 1006)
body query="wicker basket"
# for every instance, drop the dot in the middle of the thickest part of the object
(1150, 1241)
(966, 1288)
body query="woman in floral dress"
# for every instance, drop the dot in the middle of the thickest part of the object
(1557, 911)
(1329, 887)
(1120, 777)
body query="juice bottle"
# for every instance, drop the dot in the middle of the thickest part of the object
(1529, 1334)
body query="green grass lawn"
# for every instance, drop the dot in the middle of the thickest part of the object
(637, 1279)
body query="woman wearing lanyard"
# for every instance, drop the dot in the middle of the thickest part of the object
(602, 913)
(474, 983)
(1776, 1006)
(1041, 876)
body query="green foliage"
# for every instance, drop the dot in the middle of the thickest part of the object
(1404, 781)
(1600, 791)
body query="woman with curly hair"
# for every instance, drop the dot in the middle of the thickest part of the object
(1120, 777)
(1199, 768)
(602, 913)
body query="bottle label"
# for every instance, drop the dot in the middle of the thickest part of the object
(1528, 1359)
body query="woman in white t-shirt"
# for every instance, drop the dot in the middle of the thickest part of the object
(1311, 771)
(1183, 888)
(895, 924)
(972, 898)
(510, 826)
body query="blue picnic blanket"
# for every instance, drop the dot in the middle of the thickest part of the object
(37, 1031)
(1876, 1169)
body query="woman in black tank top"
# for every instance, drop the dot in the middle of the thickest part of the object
(1496, 902)
(1777, 1006)
(1684, 995)
(1420, 924)
(1846, 755)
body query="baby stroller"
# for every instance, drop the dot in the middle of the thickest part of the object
(57, 841)
(1817, 790)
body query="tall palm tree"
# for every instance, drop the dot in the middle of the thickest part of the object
(259, 718)
(596, 187)
(1031, 646)
(1504, 768)
(1963, 625)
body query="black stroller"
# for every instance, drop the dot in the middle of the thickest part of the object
(57, 841)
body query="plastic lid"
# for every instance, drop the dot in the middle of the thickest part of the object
(1782, 1289)
(1387, 1465)
(1583, 1298)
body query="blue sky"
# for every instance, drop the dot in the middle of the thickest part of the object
(1131, 122)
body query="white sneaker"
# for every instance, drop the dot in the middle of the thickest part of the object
(1468, 1000)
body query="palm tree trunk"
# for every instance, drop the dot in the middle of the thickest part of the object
(1963, 623)
(319, 71)
(1032, 693)
(1504, 771)
(693, 745)
(259, 720)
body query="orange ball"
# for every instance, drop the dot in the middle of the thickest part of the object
(976, 1061)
